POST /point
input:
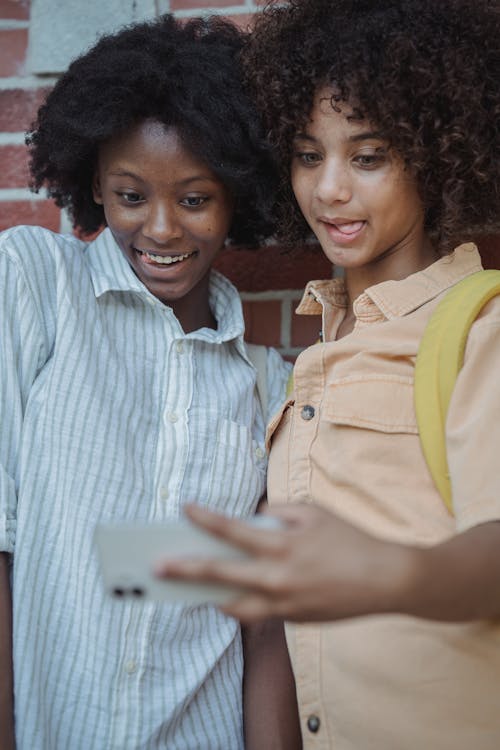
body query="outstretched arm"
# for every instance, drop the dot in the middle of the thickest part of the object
(6, 681)
(321, 568)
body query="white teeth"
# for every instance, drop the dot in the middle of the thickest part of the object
(166, 259)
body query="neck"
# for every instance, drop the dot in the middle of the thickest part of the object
(193, 311)
(395, 264)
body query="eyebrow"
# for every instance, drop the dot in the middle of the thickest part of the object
(375, 135)
(186, 181)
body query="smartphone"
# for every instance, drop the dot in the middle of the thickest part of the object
(127, 553)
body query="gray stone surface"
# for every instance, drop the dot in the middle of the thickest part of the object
(62, 29)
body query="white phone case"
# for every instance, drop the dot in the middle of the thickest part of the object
(128, 552)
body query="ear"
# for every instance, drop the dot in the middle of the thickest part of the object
(96, 189)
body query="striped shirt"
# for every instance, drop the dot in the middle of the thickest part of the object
(109, 412)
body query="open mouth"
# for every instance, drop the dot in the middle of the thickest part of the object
(343, 232)
(163, 260)
(346, 227)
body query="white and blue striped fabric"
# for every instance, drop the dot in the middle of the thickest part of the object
(109, 412)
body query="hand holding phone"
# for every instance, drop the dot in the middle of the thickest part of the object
(128, 553)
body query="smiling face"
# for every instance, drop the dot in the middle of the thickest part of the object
(357, 197)
(168, 213)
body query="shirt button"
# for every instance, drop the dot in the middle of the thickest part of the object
(130, 666)
(259, 452)
(163, 493)
(313, 723)
(179, 347)
(307, 412)
(172, 417)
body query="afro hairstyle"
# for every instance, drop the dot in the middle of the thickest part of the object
(186, 76)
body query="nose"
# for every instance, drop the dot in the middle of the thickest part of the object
(334, 183)
(161, 223)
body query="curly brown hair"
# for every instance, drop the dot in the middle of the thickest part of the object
(426, 73)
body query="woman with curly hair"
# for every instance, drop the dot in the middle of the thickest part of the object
(385, 120)
(126, 390)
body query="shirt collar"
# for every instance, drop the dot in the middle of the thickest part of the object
(391, 299)
(111, 272)
(109, 269)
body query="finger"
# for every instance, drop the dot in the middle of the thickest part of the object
(245, 575)
(237, 531)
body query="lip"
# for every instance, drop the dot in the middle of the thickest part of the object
(144, 253)
(334, 227)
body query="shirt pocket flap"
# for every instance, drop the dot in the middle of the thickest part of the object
(373, 402)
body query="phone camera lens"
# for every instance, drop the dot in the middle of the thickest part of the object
(118, 592)
(138, 592)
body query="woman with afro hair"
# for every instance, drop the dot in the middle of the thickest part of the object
(385, 120)
(126, 390)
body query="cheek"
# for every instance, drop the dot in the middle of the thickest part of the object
(215, 227)
(210, 235)
(303, 189)
(122, 220)
(405, 193)
(295, 183)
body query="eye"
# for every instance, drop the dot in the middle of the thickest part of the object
(371, 160)
(307, 158)
(193, 201)
(131, 197)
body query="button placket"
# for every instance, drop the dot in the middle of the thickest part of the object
(173, 434)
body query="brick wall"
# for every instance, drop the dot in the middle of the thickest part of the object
(270, 282)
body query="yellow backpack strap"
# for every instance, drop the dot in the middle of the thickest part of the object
(440, 357)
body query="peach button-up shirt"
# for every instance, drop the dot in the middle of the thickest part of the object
(348, 440)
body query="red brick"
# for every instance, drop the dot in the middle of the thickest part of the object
(13, 43)
(272, 268)
(305, 328)
(14, 170)
(18, 108)
(18, 9)
(243, 20)
(489, 248)
(39, 212)
(203, 4)
(263, 321)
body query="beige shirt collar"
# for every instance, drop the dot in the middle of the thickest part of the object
(391, 299)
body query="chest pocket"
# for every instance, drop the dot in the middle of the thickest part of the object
(238, 470)
(372, 402)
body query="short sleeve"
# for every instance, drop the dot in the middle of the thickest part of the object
(473, 426)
